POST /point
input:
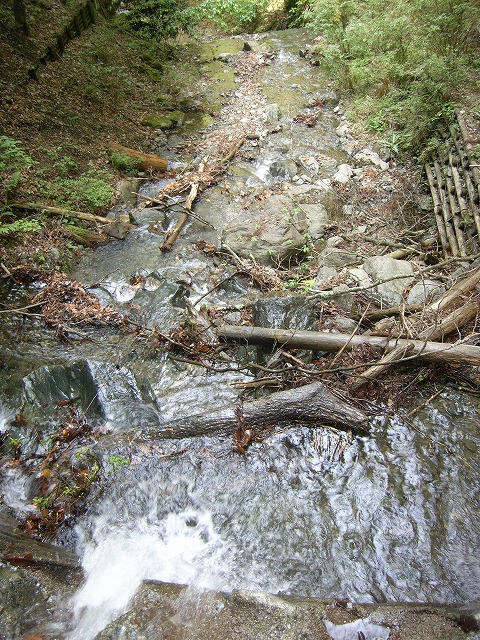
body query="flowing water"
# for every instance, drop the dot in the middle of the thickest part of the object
(395, 519)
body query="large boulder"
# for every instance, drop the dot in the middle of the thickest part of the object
(23, 606)
(426, 289)
(284, 312)
(317, 218)
(105, 393)
(172, 611)
(399, 274)
(337, 258)
(271, 233)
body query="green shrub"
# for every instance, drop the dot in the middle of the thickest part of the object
(13, 160)
(24, 225)
(91, 190)
(159, 19)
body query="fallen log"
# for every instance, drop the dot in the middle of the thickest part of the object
(142, 161)
(448, 299)
(459, 289)
(310, 404)
(58, 211)
(325, 341)
(22, 550)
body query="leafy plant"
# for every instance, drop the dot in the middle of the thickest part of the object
(24, 225)
(122, 162)
(402, 61)
(13, 159)
(90, 190)
(117, 462)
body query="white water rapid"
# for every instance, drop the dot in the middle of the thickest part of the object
(182, 548)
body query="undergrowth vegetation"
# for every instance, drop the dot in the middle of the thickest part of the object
(404, 62)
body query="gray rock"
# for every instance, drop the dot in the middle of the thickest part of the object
(128, 189)
(271, 232)
(334, 241)
(331, 257)
(253, 45)
(22, 604)
(284, 169)
(317, 218)
(367, 156)
(342, 130)
(285, 312)
(105, 393)
(420, 291)
(324, 274)
(342, 324)
(272, 112)
(360, 276)
(173, 611)
(310, 165)
(342, 298)
(119, 228)
(383, 268)
(343, 174)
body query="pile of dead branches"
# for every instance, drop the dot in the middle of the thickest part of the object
(65, 303)
(382, 338)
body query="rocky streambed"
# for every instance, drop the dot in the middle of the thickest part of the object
(317, 516)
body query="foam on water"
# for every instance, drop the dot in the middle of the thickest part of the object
(182, 548)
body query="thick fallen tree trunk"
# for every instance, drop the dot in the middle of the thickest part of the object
(142, 161)
(310, 404)
(325, 341)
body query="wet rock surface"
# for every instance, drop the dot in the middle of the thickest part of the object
(194, 614)
(108, 395)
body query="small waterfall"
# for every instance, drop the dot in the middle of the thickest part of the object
(182, 548)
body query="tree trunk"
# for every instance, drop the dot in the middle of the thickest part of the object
(325, 341)
(142, 161)
(454, 321)
(57, 211)
(21, 16)
(310, 404)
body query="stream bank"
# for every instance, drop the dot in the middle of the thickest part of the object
(309, 511)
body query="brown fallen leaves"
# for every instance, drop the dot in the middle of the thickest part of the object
(65, 301)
